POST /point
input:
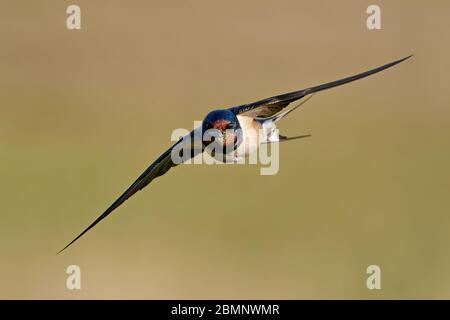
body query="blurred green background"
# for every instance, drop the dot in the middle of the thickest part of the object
(82, 114)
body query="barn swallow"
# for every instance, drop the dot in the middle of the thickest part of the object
(262, 114)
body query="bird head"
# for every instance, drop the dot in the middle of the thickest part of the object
(223, 128)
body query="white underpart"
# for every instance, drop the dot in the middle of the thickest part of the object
(270, 132)
(254, 134)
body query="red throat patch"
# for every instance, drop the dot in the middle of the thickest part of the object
(220, 124)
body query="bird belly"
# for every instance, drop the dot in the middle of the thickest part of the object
(250, 133)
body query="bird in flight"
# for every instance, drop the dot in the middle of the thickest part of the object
(232, 125)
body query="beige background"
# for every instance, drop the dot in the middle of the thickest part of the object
(82, 113)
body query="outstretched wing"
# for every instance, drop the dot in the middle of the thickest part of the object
(268, 107)
(159, 167)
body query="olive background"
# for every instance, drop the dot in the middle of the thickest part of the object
(83, 113)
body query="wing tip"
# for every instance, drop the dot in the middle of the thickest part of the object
(82, 233)
(68, 245)
(405, 58)
(60, 251)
